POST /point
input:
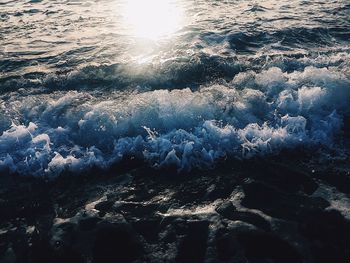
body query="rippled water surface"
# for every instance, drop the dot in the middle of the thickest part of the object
(174, 83)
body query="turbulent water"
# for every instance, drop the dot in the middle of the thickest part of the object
(87, 83)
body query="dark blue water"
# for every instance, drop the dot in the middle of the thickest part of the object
(173, 83)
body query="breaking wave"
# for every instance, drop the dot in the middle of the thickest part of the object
(256, 113)
(79, 89)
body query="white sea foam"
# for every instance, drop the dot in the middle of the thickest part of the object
(255, 114)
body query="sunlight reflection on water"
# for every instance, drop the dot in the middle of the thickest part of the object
(152, 19)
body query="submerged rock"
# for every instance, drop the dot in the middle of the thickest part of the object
(116, 243)
(193, 244)
(226, 209)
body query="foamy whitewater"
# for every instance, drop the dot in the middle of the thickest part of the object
(79, 89)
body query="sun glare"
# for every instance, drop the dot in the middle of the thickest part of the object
(152, 19)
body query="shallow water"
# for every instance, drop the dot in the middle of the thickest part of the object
(175, 83)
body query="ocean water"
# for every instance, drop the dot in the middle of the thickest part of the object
(185, 84)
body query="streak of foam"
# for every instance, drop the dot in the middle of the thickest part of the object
(337, 200)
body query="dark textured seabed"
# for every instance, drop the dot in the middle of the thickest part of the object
(174, 131)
